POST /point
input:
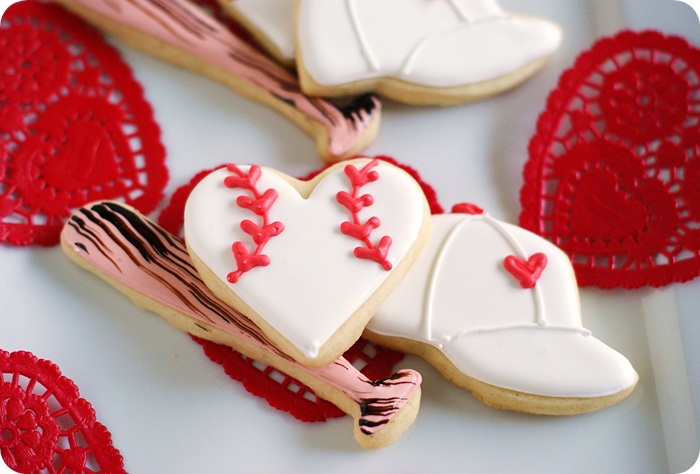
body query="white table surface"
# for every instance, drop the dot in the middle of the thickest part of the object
(171, 410)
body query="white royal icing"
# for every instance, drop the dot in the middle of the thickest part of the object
(274, 19)
(438, 43)
(313, 283)
(459, 298)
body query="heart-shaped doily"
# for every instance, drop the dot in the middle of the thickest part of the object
(44, 424)
(261, 239)
(613, 176)
(278, 389)
(74, 125)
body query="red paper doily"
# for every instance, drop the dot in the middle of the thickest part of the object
(286, 393)
(74, 125)
(613, 176)
(44, 424)
(279, 390)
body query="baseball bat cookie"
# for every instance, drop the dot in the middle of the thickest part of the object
(495, 309)
(308, 262)
(184, 35)
(417, 51)
(154, 269)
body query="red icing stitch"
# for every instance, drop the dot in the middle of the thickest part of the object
(355, 203)
(74, 125)
(612, 176)
(246, 261)
(44, 424)
(527, 271)
(260, 205)
(261, 234)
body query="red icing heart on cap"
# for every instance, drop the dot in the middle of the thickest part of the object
(74, 125)
(613, 176)
(527, 272)
(45, 425)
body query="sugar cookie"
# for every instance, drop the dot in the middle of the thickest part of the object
(182, 34)
(495, 309)
(153, 268)
(307, 261)
(417, 51)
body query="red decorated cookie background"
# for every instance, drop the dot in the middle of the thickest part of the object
(278, 389)
(74, 125)
(613, 176)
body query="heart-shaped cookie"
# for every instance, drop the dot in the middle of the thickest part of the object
(313, 284)
(74, 125)
(612, 176)
(279, 389)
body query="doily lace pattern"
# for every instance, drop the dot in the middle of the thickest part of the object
(74, 125)
(45, 426)
(613, 176)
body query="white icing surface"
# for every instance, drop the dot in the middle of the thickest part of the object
(433, 43)
(460, 299)
(274, 19)
(543, 362)
(54, 309)
(314, 283)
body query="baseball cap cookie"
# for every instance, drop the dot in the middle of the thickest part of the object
(495, 309)
(418, 51)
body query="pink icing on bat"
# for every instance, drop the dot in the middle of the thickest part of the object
(355, 203)
(527, 271)
(259, 204)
